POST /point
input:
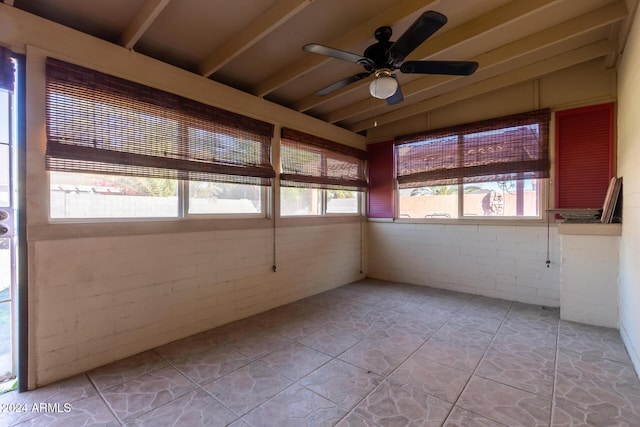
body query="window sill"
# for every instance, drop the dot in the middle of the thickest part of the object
(75, 230)
(539, 222)
(317, 220)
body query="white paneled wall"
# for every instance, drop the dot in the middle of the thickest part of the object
(101, 299)
(498, 261)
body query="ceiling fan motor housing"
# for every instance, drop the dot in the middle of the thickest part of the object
(377, 52)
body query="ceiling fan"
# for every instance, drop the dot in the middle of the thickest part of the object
(385, 56)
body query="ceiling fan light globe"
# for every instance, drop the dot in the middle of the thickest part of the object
(383, 87)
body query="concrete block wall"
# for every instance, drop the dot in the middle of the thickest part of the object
(589, 279)
(96, 300)
(505, 262)
(628, 157)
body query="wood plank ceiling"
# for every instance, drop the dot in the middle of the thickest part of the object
(256, 45)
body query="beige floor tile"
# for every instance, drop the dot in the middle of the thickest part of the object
(209, 364)
(248, 387)
(295, 360)
(505, 404)
(592, 341)
(592, 388)
(332, 341)
(145, 393)
(382, 356)
(460, 349)
(91, 411)
(460, 417)
(294, 407)
(391, 405)
(368, 354)
(527, 370)
(19, 407)
(341, 382)
(429, 377)
(193, 409)
(566, 413)
(355, 420)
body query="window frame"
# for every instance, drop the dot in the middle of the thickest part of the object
(323, 205)
(266, 194)
(541, 187)
(543, 205)
(182, 210)
(198, 142)
(322, 178)
(359, 204)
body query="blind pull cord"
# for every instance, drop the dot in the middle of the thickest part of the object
(548, 261)
(361, 242)
(273, 216)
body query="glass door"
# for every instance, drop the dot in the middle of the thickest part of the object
(8, 242)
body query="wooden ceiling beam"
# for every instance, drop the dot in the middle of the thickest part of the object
(533, 71)
(142, 21)
(490, 21)
(357, 35)
(272, 19)
(543, 39)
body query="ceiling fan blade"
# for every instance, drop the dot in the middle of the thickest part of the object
(338, 54)
(342, 83)
(454, 68)
(397, 97)
(423, 28)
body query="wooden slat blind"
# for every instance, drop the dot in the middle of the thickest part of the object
(104, 124)
(313, 162)
(507, 148)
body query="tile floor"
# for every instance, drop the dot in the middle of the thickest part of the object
(367, 354)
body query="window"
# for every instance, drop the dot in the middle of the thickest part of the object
(118, 149)
(225, 198)
(85, 195)
(319, 177)
(485, 169)
(300, 201)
